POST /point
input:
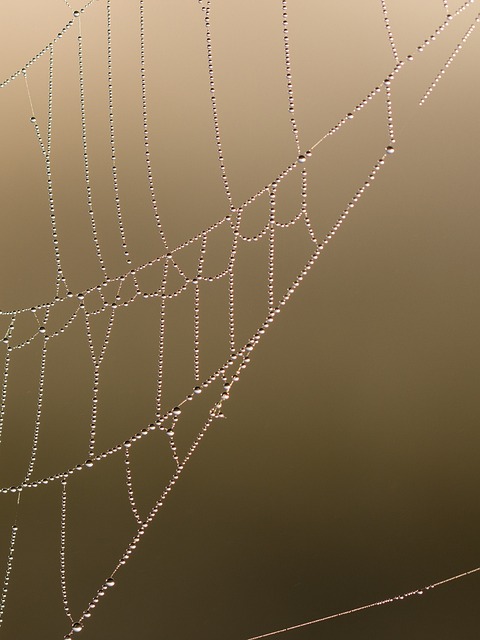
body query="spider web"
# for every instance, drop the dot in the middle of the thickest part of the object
(187, 312)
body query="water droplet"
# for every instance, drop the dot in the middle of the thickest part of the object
(197, 390)
(176, 411)
(89, 464)
(76, 14)
(302, 158)
(33, 119)
(390, 150)
(77, 627)
(110, 582)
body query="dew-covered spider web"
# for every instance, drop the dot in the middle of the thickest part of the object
(173, 175)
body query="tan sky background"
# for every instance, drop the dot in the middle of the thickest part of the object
(347, 468)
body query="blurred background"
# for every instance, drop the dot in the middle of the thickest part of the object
(346, 470)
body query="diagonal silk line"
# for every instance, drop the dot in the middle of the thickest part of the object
(379, 603)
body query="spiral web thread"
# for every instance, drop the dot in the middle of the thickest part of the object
(236, 360)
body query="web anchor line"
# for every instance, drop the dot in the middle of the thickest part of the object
(378, 603)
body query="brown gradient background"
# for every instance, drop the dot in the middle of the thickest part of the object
(347, 470)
